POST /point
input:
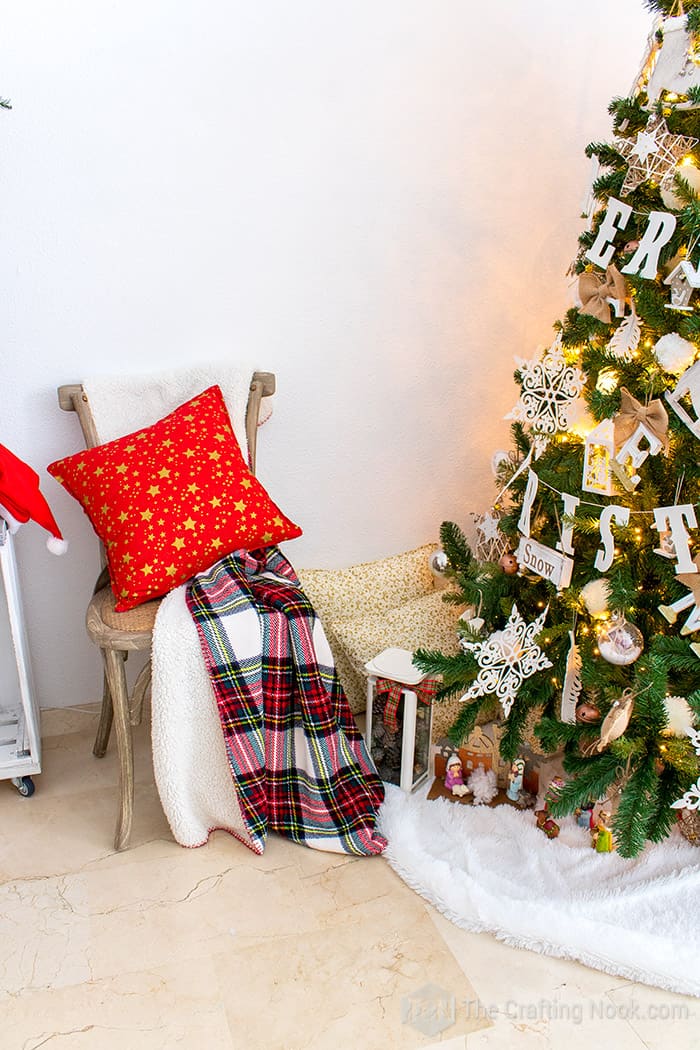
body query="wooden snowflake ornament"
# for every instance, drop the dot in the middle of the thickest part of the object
(653, 155)
(506, 659)
(549, 388)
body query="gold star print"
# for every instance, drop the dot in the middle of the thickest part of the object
(215, 501)
(164, 473)
(194, 487)
(189, 452)
(653, 155)
(147, 570)
(216, 544)
(104, 509)
(189, 524)
(146, 515)
(124, 593)
(178, 543)
(170, 570)
(122, 468)
(154, 490)
(267, 536)
(167, 443)
(99, 471)
(188, 418)
(220, 437)
(278, 521)
(246, 483)
(130, 448)
(123, 516)
(215, 455)
(127, 558)
(240, 506)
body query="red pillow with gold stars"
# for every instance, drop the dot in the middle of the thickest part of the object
(170, 500)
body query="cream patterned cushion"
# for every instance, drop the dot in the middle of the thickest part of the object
(368, 588)
(371, 588)
(426, 622)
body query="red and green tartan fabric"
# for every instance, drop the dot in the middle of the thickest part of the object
(298, 761)
(425, 691)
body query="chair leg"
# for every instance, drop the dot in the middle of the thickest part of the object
(105, 726)
(141, 687)
(115, 673)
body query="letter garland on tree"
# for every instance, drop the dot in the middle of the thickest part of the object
(603, 573)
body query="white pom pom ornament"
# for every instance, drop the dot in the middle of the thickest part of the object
(674, 353)
(595, 596)
(680, 716)
(484, 786)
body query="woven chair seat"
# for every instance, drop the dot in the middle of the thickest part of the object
(101, 613)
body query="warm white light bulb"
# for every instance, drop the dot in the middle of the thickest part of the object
(607, 382)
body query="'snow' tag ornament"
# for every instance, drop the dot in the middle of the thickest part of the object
(543, 561)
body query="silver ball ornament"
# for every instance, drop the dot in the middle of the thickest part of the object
(438, 563)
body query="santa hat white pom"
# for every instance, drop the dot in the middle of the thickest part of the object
(21, 499)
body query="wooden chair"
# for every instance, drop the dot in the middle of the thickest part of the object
(117, 634)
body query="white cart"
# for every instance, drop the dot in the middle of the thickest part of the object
(20, 739)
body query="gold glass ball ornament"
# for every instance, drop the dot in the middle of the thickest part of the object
(619, 641)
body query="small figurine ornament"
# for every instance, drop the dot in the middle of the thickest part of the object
(601, 835)
(515, 779)
(584, 816)
(454, 777)
(544, 821)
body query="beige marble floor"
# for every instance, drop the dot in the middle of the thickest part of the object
(162, 947)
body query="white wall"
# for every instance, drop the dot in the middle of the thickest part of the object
(376, 200)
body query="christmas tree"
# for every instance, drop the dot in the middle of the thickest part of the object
(584, 586)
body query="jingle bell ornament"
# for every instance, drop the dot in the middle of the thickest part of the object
(587, 713)
(619, 642)
(509, 564)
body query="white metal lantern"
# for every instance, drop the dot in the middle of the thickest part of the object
(399, 719)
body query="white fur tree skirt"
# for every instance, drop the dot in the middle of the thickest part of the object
(493, 870)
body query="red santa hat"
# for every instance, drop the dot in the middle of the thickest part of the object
(20, 499)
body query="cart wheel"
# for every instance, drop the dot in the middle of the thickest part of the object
(25, 786)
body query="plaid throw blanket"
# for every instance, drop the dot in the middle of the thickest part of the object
(298, 761)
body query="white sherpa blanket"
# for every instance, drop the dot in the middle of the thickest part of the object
(192, 772)
(122, 404)
(494, 870)
(193, 790)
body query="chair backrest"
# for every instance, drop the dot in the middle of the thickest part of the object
(72, 397)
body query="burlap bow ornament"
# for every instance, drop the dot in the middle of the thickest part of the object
(632, 412)
(594, 290)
